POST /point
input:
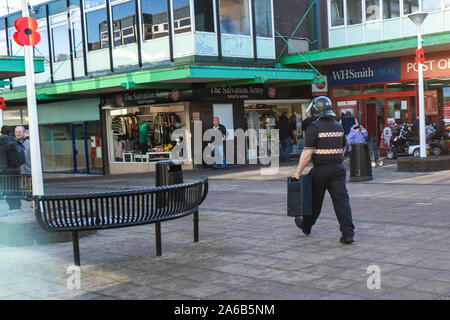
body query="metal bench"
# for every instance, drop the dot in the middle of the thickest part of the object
(16, 186)
(94, 211)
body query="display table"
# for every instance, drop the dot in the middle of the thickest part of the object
(155, 156)
(141, 157)
(129, 154)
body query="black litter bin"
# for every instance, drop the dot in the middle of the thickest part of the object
(168, 172)
(360, 165)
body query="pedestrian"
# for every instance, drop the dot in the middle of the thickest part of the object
(12, 156)
(25, 142)
(217, 148)
(310, 118)
(347, 122)
(357, 134)
(325, 146)
(285, 135)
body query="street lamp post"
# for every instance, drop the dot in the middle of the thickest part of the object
(35, 150)
(418, 18)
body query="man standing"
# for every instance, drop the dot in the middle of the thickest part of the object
(347, 122)
(307, 122)
(20, 136)
(12, 157)
(325, 146)
(217, 148)
(286, 136)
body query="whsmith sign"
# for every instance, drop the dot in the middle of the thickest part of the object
(364, 72)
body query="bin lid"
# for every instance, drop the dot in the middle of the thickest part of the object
(173, 165)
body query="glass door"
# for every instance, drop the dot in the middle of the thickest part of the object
(79, 146)
(398, 110)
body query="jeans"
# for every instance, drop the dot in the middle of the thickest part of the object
(285, 150)
(218, 150)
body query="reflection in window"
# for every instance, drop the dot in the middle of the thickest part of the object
(60, 38)
(234, 17)
(375, 88)
(410, 6)
(372, 10)
(346, 91)
(431, 5)
(41, 49)
(204, 15)
(263, 18)
(3, 46)
(154, 19)
(337, 12)
(124, 23)
(93, 3)
(77, 37)
(391, 9)
(97, 30)
(181, 16)
(447, 3)
(354, 12)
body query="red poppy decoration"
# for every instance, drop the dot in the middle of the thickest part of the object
(26, 34)
(2, 103)
(420, 56)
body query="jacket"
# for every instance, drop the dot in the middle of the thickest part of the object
(12, 155)
(355, 137)
(26, 167)
(4, 140)
(284, 128)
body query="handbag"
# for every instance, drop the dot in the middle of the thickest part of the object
(299, 196)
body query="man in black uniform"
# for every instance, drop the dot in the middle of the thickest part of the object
(325, 146)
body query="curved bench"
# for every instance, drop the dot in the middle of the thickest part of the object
(16, 186)
(107, 210)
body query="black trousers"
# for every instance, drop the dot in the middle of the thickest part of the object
(331, 178)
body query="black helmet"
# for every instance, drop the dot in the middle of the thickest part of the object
(321, 107)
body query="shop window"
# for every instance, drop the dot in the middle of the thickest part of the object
(400, 87)
(154, 14)
(41, 49)
(337, 12)
(263, 18)
(372, 10)
(431, 5)
(3, 46)
(97, 28)
(144, 134)
(397, 109)
(410, 6)
(181, 16)
(124, 23)
(346, 91)
(204, 15)
(447, 3)
(354, 12)
(391, 9)
(372, 89)
(60, 38)
(77, 36)
(234, 17)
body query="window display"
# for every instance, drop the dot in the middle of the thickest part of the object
(145, 134)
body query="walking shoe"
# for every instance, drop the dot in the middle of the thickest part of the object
(346, 239)
(305, 229)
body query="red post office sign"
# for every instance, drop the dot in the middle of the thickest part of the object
(436, 65)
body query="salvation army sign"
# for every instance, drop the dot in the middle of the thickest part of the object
(383, 70)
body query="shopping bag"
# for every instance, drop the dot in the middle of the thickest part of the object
(299, 196)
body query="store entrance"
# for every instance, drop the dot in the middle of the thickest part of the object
(373, 119)
(71, 147)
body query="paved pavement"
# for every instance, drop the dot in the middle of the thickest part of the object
(250, 249)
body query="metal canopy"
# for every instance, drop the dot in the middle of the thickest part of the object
(370, 51)
(172, 77)
(11, 67)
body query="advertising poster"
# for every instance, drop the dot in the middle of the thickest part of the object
(431, 103)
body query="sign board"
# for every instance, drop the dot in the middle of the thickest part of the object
(437, 65)
(431, 103)
(319, 89)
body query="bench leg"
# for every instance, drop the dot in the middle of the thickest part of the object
(76, 248)
(158, 238)
(196, 226)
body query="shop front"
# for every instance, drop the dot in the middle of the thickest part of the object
(139, 124)
(383, 92)
(70, 135)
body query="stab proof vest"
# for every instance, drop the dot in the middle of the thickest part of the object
(330, 143)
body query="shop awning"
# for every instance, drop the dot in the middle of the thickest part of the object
(173, 77)
(11, 67)
(369, 51)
